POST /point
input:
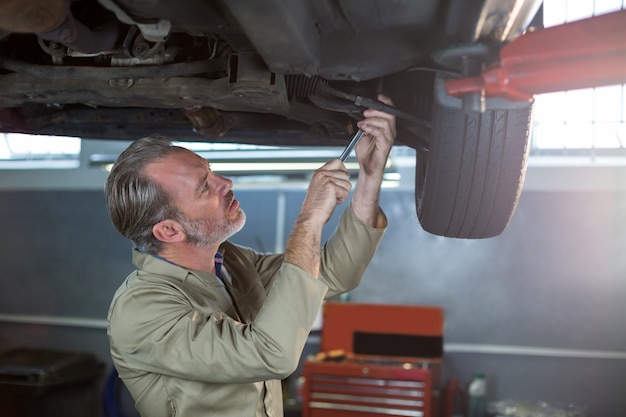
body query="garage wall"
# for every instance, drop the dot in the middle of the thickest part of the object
(545, 298)
(539, 309)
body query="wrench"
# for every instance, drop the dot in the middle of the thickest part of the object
(351, 145)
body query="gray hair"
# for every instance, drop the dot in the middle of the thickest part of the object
(136, 203)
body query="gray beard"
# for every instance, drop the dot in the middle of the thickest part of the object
(208, 233)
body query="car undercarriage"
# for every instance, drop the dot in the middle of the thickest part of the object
(277, 72)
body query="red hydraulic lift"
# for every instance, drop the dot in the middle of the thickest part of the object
(582, 54)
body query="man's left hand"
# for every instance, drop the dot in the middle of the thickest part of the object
(380, 132)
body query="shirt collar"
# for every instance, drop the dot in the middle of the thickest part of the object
(158, 265)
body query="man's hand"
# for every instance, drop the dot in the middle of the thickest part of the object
(372, 153)
(380, 132)
(329, 186)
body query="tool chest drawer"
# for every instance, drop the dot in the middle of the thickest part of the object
(352, 389)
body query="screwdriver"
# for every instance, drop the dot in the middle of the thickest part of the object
(351, 145)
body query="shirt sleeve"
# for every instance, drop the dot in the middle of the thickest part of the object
(344, 257)
(154, 328)
(348, 252)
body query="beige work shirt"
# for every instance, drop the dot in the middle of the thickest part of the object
(188, 344)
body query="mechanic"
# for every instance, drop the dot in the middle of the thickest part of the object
(204, 327)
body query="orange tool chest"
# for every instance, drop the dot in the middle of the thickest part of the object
(375, 360)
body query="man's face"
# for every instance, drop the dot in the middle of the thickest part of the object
(209, 232)
(209, 211)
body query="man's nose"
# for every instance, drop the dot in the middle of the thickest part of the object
(222, 184)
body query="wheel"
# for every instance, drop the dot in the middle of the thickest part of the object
(469, 182)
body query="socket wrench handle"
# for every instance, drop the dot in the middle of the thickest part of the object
(351, 145)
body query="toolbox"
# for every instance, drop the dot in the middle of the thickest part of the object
(50, 383)
(375, 360)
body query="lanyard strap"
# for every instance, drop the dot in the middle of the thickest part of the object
(219, 261)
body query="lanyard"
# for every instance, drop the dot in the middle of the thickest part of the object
(219, 261)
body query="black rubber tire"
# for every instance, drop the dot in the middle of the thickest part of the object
(469, 182)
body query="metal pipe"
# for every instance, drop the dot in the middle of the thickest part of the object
(54, 321)
(108, 73)
(533, 351)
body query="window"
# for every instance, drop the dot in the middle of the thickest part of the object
(19, 151)
(577, 121)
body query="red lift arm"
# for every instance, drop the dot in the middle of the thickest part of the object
(582, 54)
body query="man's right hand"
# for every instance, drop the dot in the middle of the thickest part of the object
(330, 185)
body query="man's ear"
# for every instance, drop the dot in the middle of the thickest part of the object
(169, 231)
